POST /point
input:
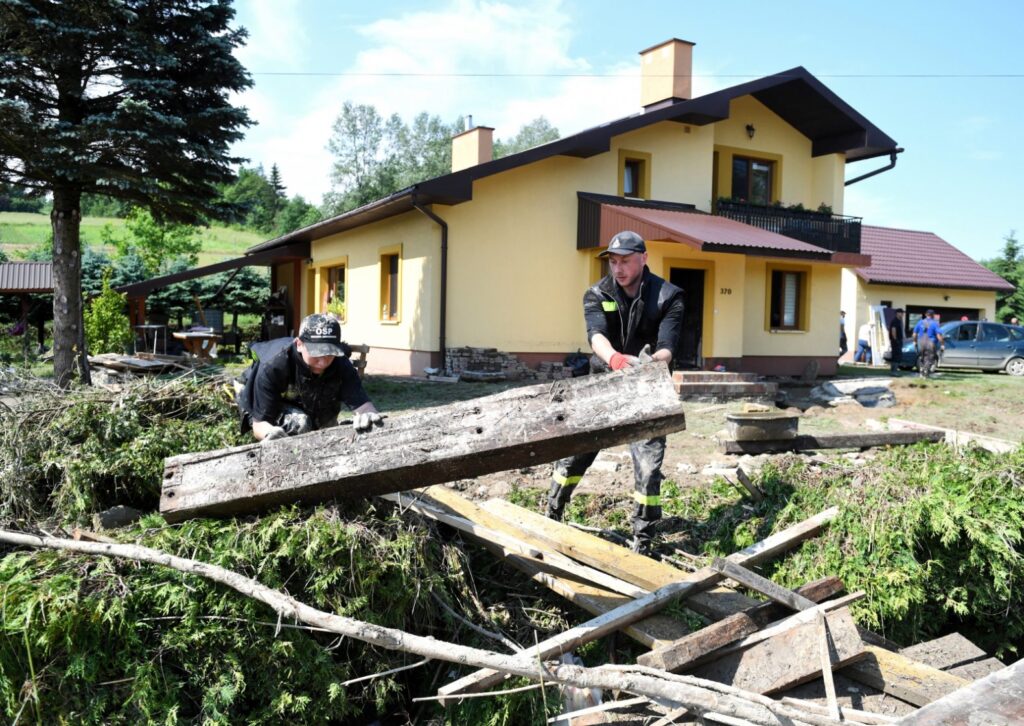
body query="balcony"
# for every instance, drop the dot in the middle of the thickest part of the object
(832, 232)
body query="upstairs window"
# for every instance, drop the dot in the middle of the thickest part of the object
(752, 180)
(634, 174)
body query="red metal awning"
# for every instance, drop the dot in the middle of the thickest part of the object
(710, 233)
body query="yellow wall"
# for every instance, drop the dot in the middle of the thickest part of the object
(820, 337)
(799, 177)
(419, 241)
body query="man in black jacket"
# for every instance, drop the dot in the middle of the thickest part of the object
(629, 313)
(298, 384)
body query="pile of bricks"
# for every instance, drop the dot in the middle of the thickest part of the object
(493, 364)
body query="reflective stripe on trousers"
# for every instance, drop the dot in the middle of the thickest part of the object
(647, 459)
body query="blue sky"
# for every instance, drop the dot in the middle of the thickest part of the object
(943, 79)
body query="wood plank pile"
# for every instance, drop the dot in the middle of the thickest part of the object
(802, 649)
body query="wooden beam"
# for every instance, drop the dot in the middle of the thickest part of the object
(693, 646)
(955, 437)
(763, 585)
(630, 612)
(519, 427)
(832, 441)
(995, 699)
(789, 658)
(902, 677)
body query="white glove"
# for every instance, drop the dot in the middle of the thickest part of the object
(296, 423)
(363, 422)
(275, 432)
(645, 355)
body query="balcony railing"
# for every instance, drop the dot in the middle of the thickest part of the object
(831, 231)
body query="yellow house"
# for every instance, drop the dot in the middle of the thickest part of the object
(497, 254)
(917, 271)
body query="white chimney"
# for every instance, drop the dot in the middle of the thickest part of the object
(666, 73)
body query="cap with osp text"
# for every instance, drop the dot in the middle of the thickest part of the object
(624, 243)
(321, 334)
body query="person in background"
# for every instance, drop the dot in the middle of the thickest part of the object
(1014, 321)
(896, 328)
(929, 343)
(842, 333)
(863, 354)
(299, 384)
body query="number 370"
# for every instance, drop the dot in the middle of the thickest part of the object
(725, 291)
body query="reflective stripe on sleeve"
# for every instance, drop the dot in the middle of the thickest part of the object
(609, 306)
(647, 500)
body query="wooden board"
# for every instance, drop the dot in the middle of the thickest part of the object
(832, 441)
(902, 677)
(997, 699)
(946, 652)
(787, 659)
(519, 427)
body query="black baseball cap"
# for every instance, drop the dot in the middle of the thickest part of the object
(321, 334)
(624, 243)
(929, 311)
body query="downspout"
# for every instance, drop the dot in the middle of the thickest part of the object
(887, 167)
(444, 275)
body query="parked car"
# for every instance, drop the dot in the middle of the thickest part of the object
(976, 344)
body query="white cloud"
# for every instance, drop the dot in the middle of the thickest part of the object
(505, 64)
(275, 37)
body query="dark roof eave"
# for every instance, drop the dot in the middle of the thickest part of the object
(914, 283)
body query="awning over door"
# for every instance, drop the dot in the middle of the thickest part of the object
(710, 233)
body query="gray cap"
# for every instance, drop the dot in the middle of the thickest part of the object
(321, 335)
(625, 243)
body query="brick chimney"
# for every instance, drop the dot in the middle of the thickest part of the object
(666, 73)
(472, 147)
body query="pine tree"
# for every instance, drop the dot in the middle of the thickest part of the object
(122, 98)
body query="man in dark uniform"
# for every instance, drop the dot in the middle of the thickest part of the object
(628, 313)
(896, 341)
(298, 384)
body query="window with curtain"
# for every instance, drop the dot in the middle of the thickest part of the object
(752, 180)
(390, 284)
(787, 290)
(332, 290)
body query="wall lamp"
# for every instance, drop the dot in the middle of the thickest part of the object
(751, 131)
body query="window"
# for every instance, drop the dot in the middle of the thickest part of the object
(967, 331)
(332, 290)
(787, 291)
(992, 333)
(752, 180)
(634, 174)
(390, 285)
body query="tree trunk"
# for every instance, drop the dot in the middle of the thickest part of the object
(68, 332)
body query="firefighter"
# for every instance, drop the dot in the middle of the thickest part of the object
(628, 313)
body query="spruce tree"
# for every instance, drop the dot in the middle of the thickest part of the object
(121, 98)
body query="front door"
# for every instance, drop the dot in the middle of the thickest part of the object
(961, 346)
(688, 353)
(994, 345)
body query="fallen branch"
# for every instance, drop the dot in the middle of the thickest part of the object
(696, 698)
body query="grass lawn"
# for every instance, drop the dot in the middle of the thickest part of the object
(21, 231)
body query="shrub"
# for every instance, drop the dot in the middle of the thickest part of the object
(107, 328)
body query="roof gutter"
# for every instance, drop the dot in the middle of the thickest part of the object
(444, 275)
(887, 167)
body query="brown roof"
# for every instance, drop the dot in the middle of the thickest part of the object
(795, 95)
(26, 277)
(921, 259)
(709, 233)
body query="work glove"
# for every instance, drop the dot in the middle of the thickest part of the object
(645, 355)
(618, 361)
(296, 423)
(274, 433)
(364, 422)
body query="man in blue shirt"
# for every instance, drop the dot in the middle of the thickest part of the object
(929, 341)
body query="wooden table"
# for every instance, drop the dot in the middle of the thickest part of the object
(201, 345)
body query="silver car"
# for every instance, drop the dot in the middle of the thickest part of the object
(977, 344)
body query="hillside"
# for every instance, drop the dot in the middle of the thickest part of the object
(21, 231)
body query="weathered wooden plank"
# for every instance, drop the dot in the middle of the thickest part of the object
(629, 613)
(596, 552)
(693, 646)
(902, 677)
(519, 427)
(946, 652)
(762, 584)
(787, 659)
(995, 699)
(954, 437)
(832, 441)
